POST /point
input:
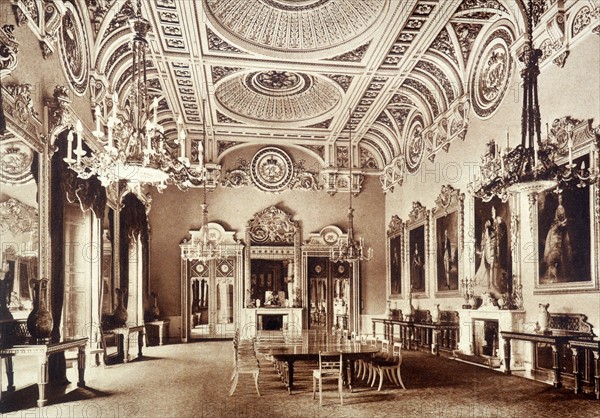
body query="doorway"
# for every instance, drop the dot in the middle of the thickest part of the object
(329, 294)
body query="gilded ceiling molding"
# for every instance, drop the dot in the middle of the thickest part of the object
(444, 45)
(451, 125)
(375, 87)
(319, 150)
(384, 142)
(343, 80)
(367, 159)
(44, 20)
(437, 74)
(321, 125)
(356, 55)
(223, 146)
(215, 43)
(414, 147)
(221, 118)
(9, 48)
(466, 34)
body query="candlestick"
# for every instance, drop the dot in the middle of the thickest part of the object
(507, 139)
(79, 129)
(570, 145)
(182, 143)
(502, 163)
(69, 146)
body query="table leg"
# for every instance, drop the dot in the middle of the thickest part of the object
(81, 366)
(140, 342)
(290, 380)
(42, 381)
(350, 373)
(10, 375)
(556, 366)
(507, 356)
(126, 348)
(597, 374)
(160, 334)
(576, 372)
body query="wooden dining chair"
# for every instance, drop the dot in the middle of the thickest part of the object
(331, 366)
(389, 366)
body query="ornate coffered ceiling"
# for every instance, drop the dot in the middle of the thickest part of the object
(405, 76)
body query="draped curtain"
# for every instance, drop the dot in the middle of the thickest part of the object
(66, 187)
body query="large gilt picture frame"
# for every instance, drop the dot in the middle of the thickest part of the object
(394, 248)
(565, 220)
(493, 252)
(417, 257)
(448, 241)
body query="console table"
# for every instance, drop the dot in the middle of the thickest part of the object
(556, 340)
(125, 334)
(586, 345)
(42, 352)
(163, 328)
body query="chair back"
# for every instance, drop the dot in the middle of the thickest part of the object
(330, 362)
(397, 352)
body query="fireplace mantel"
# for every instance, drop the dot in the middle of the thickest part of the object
(508, 320)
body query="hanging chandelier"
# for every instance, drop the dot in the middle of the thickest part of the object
(531, 166)
(135, 148)
(204, 246)
(350, 250)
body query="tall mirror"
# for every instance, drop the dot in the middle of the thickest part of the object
(19, 226)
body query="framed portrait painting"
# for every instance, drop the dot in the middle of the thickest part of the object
(395, 237)
(448, 216)
(493, 256)
(418, 242)
(564, 234)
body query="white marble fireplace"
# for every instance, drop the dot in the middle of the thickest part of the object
(508, 320)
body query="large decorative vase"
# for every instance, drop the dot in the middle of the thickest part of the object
(435, 314)
(543, 317)
(120, 312)
(154, 310)
(39, 321)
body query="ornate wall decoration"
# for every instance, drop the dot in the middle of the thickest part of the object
(215, 43)
(393, 174)
(15, 162)
(444, 45)
(492, 73)
(271, 169)
(223, 146)
(317, 149)
(281, 27)
(28, 12)
(9, 48)
(221, 118)
(219, 72)
(356, 55)
(414, 148)
(74, 51)
(272, 226)
(278, 96)
(341, 157)
(466, 33)
(426, 93)
(367, 160)
(437, 74)
(343, 80)
(17, 217)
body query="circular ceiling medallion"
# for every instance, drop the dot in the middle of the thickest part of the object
(74, 50)
(492, 74)
(414, 149)
(283, 27)
(271, 169)
(279, 97)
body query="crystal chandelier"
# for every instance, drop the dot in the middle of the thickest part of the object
(204, 246)
(530, 167)
(350, 250)
(136, 149)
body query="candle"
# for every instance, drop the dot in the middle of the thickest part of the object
(70, 145)
(97, 114)
(570, 145)
(535, 153)
(182, 143)
(502, 163)
(115, 101)
(79, 129)
(507, 140)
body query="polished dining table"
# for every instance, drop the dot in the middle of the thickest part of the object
(306, 347)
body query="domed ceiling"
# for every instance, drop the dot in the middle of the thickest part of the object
(277, 27)
(278, 97)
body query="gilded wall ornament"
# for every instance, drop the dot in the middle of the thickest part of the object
(74, 51)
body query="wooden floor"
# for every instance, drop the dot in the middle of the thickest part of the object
(192, 380)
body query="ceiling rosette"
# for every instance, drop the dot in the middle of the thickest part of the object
(282, 27)
(278, 97)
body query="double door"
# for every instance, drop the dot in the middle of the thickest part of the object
(211, 292)
(330, 294)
